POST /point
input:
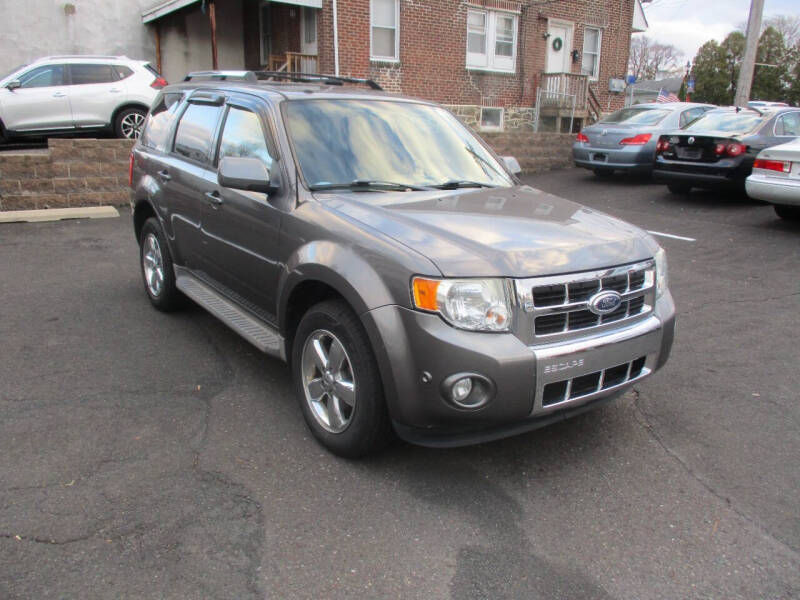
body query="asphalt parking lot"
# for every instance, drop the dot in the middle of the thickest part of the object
(145, 455)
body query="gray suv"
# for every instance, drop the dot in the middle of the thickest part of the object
(412, 282)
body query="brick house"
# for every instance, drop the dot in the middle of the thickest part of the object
(498, 64)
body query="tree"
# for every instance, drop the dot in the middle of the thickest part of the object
(649, 58)
(716, 69)
(771, 83)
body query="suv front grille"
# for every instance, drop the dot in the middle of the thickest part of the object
(570, 389)
(560, 304)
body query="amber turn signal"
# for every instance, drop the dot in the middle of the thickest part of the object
(425, 293)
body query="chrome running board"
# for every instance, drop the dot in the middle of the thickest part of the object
(262, 335)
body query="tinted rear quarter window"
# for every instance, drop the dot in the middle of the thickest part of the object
(160, 120)
(86, 74)
(195, 133)
(123, 71)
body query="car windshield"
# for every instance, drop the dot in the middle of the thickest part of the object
(730, 122)
(388, 143)
(14, 70)
(636, 116)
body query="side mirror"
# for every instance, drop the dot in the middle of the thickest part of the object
(512, 164)
(12, 85)
(248, 174)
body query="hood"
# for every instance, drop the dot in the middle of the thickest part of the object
(502, 232)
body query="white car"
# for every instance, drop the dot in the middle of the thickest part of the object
(776, 179)
(66, 94)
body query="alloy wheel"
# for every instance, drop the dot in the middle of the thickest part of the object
(131, 125)
(328, 381)
(153, 265)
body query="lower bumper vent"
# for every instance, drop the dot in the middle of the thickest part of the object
(569, 389)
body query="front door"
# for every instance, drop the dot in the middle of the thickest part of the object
(308, 40)
(95, 92)
(559, 46)
(40, 103)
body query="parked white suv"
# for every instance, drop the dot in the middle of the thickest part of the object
(64, 94)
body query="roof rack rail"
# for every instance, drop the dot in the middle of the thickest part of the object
(221, 75)
(315, 78)
(90, 56)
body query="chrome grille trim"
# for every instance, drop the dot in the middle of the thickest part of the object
(635, 282)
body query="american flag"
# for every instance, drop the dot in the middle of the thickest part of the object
(665, 96)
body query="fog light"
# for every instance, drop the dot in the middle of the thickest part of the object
(461, 389)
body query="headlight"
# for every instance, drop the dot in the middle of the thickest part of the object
(661, 272)
(474, 304)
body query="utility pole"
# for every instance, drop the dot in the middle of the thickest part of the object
(748, 62)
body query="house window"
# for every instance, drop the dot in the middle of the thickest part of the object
(592, 40)
(491, 119)
(384, 30)
(263, 33)
(491, 40)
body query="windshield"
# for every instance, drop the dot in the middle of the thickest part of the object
(7, 73)
(410, 144)
(741, 122)
(636, 116)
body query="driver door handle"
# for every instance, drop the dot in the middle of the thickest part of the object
(215, 198)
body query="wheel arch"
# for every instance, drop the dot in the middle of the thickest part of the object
(142, 211)
(126, 105)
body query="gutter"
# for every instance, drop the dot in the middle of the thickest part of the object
(335, 41)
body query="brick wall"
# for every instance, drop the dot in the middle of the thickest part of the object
(80, 172)
(432, 61)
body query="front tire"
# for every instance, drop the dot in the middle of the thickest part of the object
(790, 213)
(679, 188)
(158, 273)
(337, 381)
(129, 122)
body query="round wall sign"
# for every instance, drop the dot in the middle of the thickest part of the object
(557, 44)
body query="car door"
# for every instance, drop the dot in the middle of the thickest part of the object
(40, 103)
(241, 228)
(186, 174)
(96, 90)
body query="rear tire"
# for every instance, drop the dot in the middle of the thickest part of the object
(337, 381)
(129, 122)
(158, 273)
(604, 173)
(790, 213)
(679, 188)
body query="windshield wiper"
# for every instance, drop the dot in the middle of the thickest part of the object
(482, 161)
(454, 184)
(367, 185)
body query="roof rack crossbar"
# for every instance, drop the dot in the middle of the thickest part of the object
(297, 77)
(221, 75)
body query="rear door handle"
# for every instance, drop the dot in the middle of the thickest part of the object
(214, 197)
(164, 175)
(115, 91)
(59, 95)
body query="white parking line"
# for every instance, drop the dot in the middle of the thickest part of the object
(674, 237)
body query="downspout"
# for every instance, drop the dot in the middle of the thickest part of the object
(335, 41)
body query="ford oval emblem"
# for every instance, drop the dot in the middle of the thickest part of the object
(605, 302)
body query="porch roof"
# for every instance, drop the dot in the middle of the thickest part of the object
(169, 6)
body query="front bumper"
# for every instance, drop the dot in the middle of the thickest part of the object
(624, 158)
(417, 351)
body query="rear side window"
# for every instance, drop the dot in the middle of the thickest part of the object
(123, 71)
(159, 121)
(86, 74)
(45, 76)
(195, 133)
(788, 125)
(242, 136)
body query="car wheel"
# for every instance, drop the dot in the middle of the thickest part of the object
(128, 123)
(604, 173)
(338, 383)
(679, 188)
(157, 269)
(790, 213)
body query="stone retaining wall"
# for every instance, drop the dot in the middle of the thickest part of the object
(90, 172)
(79, 172)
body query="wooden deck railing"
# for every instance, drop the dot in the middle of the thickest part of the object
(558, 89)
(293, 62)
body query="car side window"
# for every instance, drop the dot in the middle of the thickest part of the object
(45, 76)
(690, 115)
(85, 74)
(788, 125)
(243, 136)
(123, 72)
(195, 133)
(159, 122)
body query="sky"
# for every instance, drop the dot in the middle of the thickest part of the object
(688, 24)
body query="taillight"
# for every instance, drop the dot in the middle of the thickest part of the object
(719, 149)
(638, 140)
(582, 137)
(130, 171)
(159, 82)
(773, 165)
(662, 146)
(735, 149)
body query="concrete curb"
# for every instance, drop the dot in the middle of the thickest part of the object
(57, 214)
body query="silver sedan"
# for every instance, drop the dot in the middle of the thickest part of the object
(626, 140)
(776, 179)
